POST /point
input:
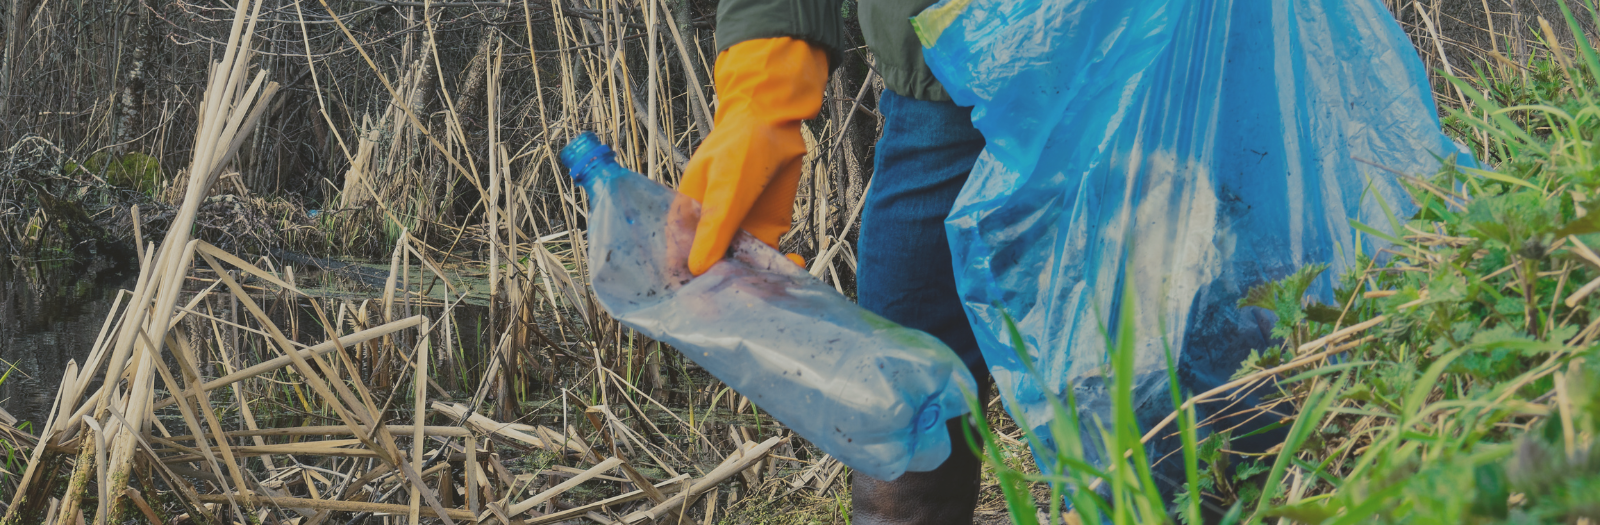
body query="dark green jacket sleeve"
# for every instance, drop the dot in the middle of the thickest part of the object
(886, 24)
(815, 21)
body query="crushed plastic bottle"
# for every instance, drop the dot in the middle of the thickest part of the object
(869, 392)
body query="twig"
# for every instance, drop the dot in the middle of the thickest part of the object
(736, 462)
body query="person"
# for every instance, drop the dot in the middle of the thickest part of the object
(773, 62)
(1151, 163)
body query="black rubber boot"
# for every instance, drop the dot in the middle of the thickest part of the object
(945, 495)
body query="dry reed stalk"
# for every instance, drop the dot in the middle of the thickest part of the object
(185, 407)
(351, 195)
(137, 498)
(492, 206)
(650, 90)
(516, 509)
(1439, 45)
(340, 505)
(606, 503)
(513, 432)
(741, 459)
(225, 112)
(469, 174)
(79, 480)
(239, 398)
(280, 362)
(420, 413)
(440, 431)
(594, 60)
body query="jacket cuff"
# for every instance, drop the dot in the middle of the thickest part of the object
(815, 21)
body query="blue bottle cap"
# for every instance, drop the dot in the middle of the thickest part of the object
(584, 153)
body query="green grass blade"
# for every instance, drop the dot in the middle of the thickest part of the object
(1425, 384)
(1394, 220)
(1186, 429)
(1064, 428)
(1316, 403)
(1375, 233)
(1501, 121)
(1500, 178)
(1126, 423)
(1584, 48)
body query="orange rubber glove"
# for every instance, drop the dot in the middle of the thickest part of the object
(747, 171)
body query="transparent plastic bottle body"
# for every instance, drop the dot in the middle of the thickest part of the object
(865, 390)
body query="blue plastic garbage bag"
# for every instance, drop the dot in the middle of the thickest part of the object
(1194, 148)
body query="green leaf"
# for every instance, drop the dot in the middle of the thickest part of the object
(1506, 337)
(1492, 491)
(1512, 219)
(1322, 313)
(1425, 384)
(1588, 223)
(1285, 297)
(1309, 511)
(1249, 469)
(1249, 365)
(1019, 500)
(1369, 507)
(1234, 514)
(1190, 496)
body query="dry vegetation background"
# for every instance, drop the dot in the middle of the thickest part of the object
(396, 114)
(417, 104)
(421, 135)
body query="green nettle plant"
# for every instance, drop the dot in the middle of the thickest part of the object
(1455, 379)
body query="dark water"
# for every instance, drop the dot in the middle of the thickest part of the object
(50, 314)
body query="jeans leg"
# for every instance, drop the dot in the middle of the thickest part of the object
(903, 268)
(904, 273)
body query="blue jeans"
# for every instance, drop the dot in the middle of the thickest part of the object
(903, 266)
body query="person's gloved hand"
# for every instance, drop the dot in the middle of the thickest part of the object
(746, 172)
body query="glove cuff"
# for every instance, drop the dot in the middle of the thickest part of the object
(773, 80)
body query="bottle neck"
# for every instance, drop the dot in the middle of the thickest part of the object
(585, 156)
